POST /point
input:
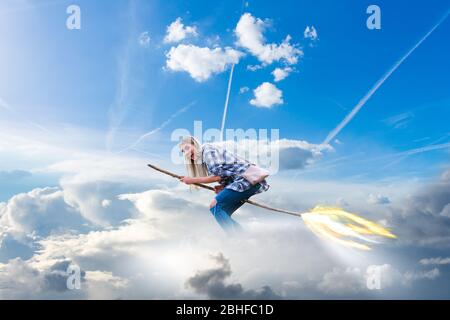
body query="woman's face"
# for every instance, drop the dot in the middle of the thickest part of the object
(188, 150)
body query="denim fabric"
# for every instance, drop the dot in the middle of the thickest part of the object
(231, 200)
(228, 201)
(224, 220)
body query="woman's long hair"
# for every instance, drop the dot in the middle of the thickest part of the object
(195, 168)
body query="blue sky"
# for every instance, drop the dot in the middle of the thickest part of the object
(71, 99)
(74, 76)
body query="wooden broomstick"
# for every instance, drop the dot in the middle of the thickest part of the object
(173, 175)
(326, 222)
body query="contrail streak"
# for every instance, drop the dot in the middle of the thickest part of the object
(378, 84)
(426, 148)
(244, 4)
(405, 154)
(162, 126)
(222, 128)
(6, 106)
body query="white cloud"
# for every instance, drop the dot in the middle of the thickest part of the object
(38, 213)
(160, 241)
(249, 32)
(153, 253)
(267, 95)
(201, 62)
(419, 216)
(243, 90)
(144, 39)
(310, 33)
(377, 199)
(352, 280)
(388, 276)
(282, 154)
(10, 274)
(104, 285)
(280, 74)
(342, 281)
(421, 275)
(254, 67)
(176, 31)
(87, 197)
(106, 203)
(435, 261)
(47, 279)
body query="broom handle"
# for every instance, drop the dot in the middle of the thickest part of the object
(173, 175)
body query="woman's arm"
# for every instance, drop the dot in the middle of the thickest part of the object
(209, 179)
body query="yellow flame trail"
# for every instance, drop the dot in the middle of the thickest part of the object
(343, 227)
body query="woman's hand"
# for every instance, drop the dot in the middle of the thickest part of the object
(188, 180)
(218, 188)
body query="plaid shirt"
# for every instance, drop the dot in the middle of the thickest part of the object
(229, 167)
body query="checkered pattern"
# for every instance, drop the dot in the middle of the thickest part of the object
(229, 167)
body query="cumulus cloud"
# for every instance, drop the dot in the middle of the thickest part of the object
(11, 248)
(267, 95)
(144, 39)
(21, 279)
(154, 253)
(30, 279)
(104, 285)
(106, 203)
(435, 198)
(281, 73)
(201, 62)
(177, 31)
(254, 67)
(212, 283)
(353, 280)
(151, 250)
(40, 213)
(250, 35)
(114, 259)
(388, 276)
(378, 199)
(88, 198)
(423, 217)
(435, 261)
(150, 255)
(342, 281)
(18, 280)
(243, 90)
(282, 154)
(310, 33)
(421, 275)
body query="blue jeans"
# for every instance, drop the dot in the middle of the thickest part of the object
(228, 201)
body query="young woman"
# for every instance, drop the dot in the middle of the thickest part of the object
(209, 164)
